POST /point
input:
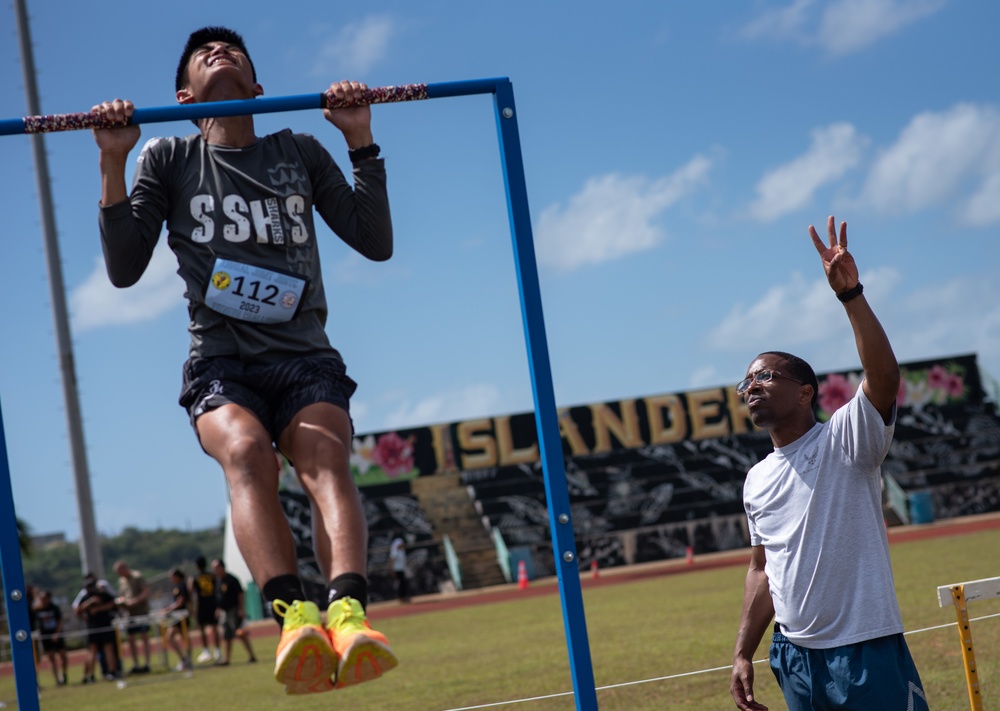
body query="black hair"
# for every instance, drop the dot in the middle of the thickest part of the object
(199, 38)
(200, 562)
(799, 370)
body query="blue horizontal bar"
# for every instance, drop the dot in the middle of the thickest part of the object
(238, 107)
(11, 127)
(246, 107)
(464, 88)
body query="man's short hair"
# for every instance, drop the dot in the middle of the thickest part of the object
(199, 38)
(800, 370)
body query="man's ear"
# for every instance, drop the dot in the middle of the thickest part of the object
(184, 96)
(806, 394)
(258, 90)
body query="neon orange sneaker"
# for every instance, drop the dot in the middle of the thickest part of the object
(305, 660)
(363, 652)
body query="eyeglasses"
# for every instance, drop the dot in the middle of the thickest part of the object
(764, 376)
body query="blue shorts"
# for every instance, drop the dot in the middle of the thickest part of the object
(274, 393)
(874, 674)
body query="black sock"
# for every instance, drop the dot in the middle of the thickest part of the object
(286, 588)
(348, 585)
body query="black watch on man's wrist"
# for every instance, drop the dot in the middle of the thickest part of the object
(364, 153)
(846, 296)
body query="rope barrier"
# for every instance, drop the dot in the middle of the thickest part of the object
(120, 623)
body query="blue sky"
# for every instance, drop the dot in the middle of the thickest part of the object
(675, 154)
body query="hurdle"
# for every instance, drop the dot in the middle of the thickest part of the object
(533, 323)
(960, 595)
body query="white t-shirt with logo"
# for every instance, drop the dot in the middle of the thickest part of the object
(815, 506)
(397, 555)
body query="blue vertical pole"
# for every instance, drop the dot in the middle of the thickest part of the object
(546, 416)
(14, 591)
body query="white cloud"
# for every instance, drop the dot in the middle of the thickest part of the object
(353, 268)
(851, 25)
(357, 47)
(704, 376)
(931, 321)
(478, 400)
(935, 157)
(780, 22)
(843, 27)
(96, 303)
(834, 150)
(959, 316)
(796, 316)
(983, 208)
(612, 216)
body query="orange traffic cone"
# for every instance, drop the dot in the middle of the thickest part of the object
(522, 575)
(690, 555)
(593, 569)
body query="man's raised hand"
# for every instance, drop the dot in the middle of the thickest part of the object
(841, 271)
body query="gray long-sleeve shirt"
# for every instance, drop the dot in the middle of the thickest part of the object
(253, 205)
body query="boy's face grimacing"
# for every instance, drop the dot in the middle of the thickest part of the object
(213, 61)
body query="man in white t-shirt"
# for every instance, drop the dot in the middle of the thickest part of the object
(820, 564)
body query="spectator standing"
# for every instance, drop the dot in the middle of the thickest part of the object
(102, 584)
(397, 558)
(97, 608)
(231, 612)
(133, 598)
(203, 593)
(178, 637)
(48, 618)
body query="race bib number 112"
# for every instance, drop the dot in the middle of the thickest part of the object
(254, 294)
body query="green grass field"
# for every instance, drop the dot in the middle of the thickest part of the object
(639, 632)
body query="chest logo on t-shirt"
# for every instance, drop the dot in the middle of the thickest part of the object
(287, 179)
(269, 220)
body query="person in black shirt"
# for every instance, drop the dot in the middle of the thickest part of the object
(48, 618)
(262, 374)
(203, 592)
(177, 635)
(231, 611)
(97, 607)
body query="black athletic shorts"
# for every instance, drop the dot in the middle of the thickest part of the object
(101, 637)
(206, 613)
(53, 644)
(230, 622)
(275, 393)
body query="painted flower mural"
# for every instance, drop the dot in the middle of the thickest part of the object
(836, 390)
(940, 384)
(381, 458)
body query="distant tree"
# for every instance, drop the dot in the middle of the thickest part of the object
(154, 552)
(24, 536)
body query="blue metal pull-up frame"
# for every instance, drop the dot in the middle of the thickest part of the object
(546, 416)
